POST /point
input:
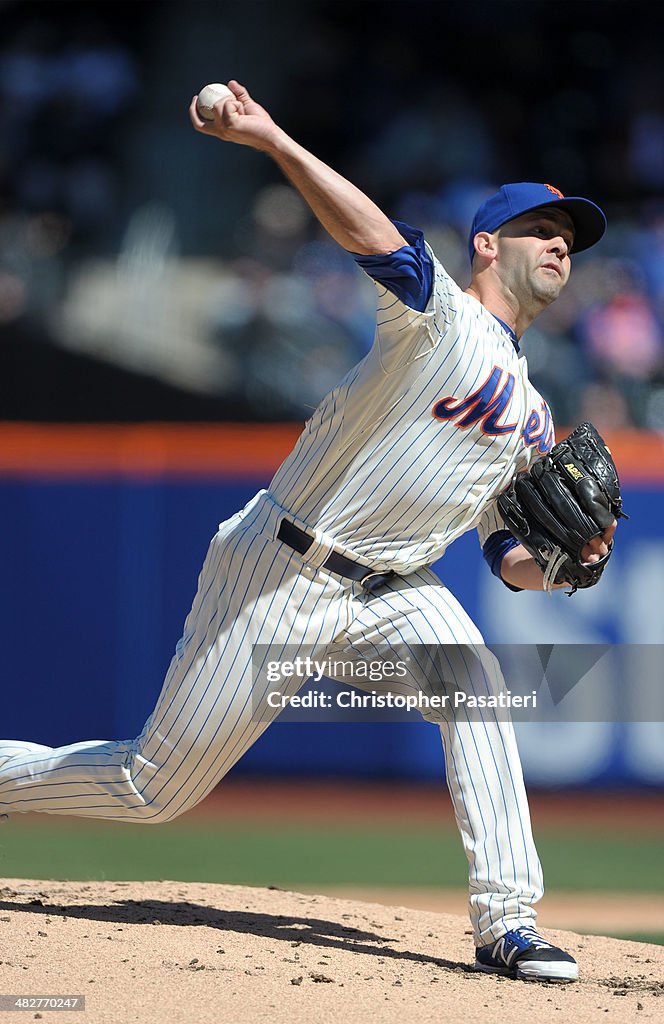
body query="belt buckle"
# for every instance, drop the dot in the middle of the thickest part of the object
(373, 580)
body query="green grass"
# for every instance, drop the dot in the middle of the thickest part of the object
(371, 854)
(600, 863)
(239, 854)
(655, 937)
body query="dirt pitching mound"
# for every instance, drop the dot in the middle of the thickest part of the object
(170, 951)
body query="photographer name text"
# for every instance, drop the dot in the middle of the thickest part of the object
(346, 699)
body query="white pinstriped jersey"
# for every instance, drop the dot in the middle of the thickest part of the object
(406, 454)
(411, 448)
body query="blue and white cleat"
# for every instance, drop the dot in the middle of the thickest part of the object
(524, 954)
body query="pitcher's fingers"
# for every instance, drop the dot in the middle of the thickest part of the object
(240, 91)
(228, 111)
(199, 124)
(609, 532)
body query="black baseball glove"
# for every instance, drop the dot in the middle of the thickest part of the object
(561, 502)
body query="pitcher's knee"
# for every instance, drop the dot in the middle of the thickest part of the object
(163, 791)
(155, 812)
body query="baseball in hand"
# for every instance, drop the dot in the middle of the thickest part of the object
(208, 96)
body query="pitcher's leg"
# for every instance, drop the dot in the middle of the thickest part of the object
(251, 591)
(490, 805)
(483, 768)
(98, 778)
(10, 749)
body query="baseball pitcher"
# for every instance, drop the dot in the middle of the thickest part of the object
(414, 447)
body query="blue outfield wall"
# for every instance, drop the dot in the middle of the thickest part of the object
(99, 576)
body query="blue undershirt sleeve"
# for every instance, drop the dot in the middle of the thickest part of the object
(407, 273)
(494, 550)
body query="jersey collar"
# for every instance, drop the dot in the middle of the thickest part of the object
(512, 336)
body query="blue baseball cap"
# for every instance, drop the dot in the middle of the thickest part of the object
(511, 201)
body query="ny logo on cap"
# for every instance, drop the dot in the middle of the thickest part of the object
(556, 191)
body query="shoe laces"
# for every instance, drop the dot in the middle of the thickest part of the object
(533, 937)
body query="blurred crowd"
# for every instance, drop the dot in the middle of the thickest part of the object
(265, 328)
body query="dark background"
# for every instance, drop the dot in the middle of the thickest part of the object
(428, 106)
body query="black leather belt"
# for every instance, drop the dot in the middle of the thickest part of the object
(301, 541)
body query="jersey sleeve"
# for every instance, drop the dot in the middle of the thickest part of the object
(407, 273)
(416, 300)
(496, 541)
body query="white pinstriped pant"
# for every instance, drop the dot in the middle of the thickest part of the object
(253, 589)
